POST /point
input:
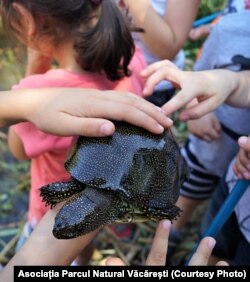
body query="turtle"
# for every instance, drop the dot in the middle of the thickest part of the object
(131, 176)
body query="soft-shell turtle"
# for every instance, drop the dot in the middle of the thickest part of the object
(131, 176)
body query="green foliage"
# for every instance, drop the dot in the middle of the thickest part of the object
(208, 7)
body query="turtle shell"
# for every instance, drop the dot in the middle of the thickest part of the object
(133, 160)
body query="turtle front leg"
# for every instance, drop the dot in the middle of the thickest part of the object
(85, 212)
(57, 192)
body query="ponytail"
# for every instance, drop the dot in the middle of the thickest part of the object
(108, 46)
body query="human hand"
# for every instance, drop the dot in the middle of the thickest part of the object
(211, 88)
(157, 255)
(203, 253)
(207, 127)
(200, 32)
(242, 164)
(85, 112)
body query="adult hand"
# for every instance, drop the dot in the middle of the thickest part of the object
(242, 164)
(211, 88)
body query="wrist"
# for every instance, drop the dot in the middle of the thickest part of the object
(17, 106)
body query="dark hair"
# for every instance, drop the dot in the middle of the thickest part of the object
(107, 46)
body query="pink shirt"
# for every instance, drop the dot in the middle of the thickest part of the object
(48, 152)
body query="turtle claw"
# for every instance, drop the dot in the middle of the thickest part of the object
(57, 192)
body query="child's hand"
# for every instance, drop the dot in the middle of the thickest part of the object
(207, 127)
(200, 32)
(157, 254)
(210, 88)
(242, 165)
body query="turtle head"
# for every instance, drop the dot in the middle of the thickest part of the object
(86, 212)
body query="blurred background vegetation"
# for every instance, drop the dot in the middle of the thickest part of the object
(14, 175)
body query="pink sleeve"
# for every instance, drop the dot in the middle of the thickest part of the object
(37, 142)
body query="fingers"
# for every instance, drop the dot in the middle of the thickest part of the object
(89, 114)
(177, 102)
(242, 165)
(198, 110)
(214, 135)
(133, 109)
(244, 143)
(155, 73)
(222, 263)
(203, 252)
(157, 255)
(114, 262)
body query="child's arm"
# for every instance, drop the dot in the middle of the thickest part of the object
(164, 36)
(81, 111)
(211, 88)
(51, 250)
(16, 145)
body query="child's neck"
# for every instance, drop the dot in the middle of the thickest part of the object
(65, 56)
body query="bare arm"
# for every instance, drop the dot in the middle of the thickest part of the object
(16, 145)
(164, 36)
(67, 111)
(42, 248)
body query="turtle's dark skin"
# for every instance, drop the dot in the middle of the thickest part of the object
(131, 176)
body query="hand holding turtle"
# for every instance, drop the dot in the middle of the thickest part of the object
(66, 111)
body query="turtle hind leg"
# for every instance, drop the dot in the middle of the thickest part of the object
(57, 192)
(86, 212)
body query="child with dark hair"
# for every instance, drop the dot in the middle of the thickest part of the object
(92, 45)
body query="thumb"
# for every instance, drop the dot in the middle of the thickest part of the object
(112, 261)
(203, 252)
(244, 143)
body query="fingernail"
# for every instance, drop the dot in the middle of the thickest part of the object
(145, 90)
(246, 175)
(166, 224)
(243, 140)
(170, 122)
(211, 243)
(185, 117)
(161, 128)
(107, 129)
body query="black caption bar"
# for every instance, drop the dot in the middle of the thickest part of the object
(79, 273)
